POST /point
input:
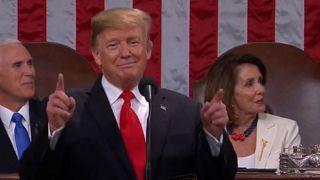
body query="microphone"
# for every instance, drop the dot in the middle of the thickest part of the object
(148, 88)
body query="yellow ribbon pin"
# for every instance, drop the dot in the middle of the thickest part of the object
(264, 144)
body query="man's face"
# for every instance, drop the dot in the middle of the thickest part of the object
(122, 55)
(17, 74)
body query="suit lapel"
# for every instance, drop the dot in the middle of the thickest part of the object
(265, 138)
(37, 116)
(98, 105)
(8, 157)
(161, 110)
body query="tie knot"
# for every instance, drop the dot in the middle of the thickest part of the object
(127, 96)
(17, 118)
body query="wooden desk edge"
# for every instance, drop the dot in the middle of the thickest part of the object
(9, 176)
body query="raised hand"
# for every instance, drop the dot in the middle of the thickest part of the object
(214, 115)
(60, 106)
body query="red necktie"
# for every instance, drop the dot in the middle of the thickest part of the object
(132, 134)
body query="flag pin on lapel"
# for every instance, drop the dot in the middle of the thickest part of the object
(163, 107)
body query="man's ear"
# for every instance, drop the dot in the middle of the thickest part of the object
(96, 56)
(149, 49)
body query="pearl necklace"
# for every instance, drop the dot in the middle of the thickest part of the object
(241, 137)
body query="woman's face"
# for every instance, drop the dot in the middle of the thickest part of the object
(248, 98)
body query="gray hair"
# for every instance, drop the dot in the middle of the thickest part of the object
(9, 41)
(6, 42)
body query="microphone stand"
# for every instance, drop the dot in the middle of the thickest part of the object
(148, 144)
(148, 88)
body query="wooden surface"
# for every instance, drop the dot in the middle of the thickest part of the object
(9, 177)
(239, 176)
(270, 176)
(50, 59)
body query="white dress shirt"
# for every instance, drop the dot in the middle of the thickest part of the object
(6, 115)
(139, 104)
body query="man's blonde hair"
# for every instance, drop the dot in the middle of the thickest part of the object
(119, 18)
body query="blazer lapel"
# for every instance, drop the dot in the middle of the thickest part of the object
(265, 138)
(98, 105)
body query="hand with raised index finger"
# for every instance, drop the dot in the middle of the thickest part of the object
(214, 115)
(60, 106)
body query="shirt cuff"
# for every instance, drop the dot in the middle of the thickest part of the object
(214, 143)
(54, 136)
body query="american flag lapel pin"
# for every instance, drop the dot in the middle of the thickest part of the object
(163, 107)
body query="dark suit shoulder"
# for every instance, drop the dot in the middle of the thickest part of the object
(175, 96)
(37, 105)
(79, 93)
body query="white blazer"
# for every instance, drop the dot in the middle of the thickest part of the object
(273, 134)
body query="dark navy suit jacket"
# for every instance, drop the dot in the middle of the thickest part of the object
(9, 162)
(91, 146)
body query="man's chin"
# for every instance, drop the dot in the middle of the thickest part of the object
(132, 76)
(28, 94)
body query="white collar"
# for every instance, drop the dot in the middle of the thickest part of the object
(6, 114)
(113, 92)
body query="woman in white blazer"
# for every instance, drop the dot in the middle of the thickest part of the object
(257, 137)
(273, 134)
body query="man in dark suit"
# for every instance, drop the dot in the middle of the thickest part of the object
(100, 133)
(17, 88)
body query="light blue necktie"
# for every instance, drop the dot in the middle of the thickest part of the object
(20, 133)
